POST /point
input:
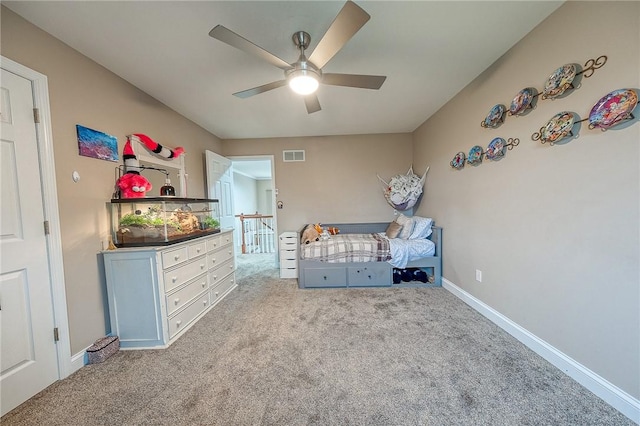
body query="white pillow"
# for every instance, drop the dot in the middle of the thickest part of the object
(407, 226)
(421, 228)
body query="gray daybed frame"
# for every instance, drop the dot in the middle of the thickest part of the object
(316, 274)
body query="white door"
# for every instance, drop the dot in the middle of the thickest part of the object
(28, 356)
(220, 186)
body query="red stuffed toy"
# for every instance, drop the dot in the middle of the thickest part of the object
(132, 184)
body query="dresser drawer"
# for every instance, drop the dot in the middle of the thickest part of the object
(184, 273)
(291, 254)
(183, 318)
(213, 243)
(186, 294)
(216, 275)
(323, 277)
(288, 264)
(218, 257)
(288, 240)
(222, 288)
(197, 249)
(369, 276)
(174, 257)
(226, 238)
(288, 272)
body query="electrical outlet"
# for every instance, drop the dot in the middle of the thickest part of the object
(478, 275)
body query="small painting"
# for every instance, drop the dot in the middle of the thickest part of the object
(92, 143)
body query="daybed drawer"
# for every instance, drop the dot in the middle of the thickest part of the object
(182, 274)
(183, 296)
(325, 277)
(369, 276)
(184, 318)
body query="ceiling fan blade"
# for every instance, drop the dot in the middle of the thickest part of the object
(349, 20)
(225, 35)
(312, 103)
(354, 80)
(260, 89)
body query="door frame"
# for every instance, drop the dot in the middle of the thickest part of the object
(44, 136)
(274, 197)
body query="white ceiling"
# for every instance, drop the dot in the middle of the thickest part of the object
(429, 50)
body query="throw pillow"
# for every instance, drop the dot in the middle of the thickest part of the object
(393, 230)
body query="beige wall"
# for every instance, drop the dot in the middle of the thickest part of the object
(337, 182)
(554, 229)
(83, 92)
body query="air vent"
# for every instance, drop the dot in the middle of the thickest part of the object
(293, 155)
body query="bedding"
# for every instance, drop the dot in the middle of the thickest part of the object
(405, 251)
(344, 248)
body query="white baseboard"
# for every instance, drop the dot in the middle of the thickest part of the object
(611, 394)
(78, 360)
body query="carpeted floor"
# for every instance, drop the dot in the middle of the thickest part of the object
(271, 354)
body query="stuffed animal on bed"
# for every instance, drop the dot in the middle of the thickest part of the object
(310, 234)
(333, 230)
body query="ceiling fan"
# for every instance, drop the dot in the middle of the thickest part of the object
(304, 75)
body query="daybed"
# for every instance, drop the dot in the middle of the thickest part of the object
(321, 274)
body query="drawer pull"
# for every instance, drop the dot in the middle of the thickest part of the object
(176, 257)
(202, 266)
(217, 293)
(213, 260)
(204, 284)
(231, 266)
(178, 323)
(174, 279)
(198, 250)
(176, 300)
(204, 302)
(215, 277)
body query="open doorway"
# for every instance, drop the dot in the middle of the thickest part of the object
(255, 209)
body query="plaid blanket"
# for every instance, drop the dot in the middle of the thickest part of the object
(344, 248)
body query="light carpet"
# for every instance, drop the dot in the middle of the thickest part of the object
(271, 354)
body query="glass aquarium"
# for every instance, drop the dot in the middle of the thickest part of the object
(157, 221)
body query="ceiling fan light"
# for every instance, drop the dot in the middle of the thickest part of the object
(303, 82)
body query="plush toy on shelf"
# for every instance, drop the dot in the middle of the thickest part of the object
(132, 184)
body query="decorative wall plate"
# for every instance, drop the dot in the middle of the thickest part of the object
(522, 101)
(559, 81)
(494, 117)
(475, 155)
(613, 108)
(496, 149)
(558, 127)
(458, 160)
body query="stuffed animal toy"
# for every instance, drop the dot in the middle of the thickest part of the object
(310, 234)
(333, 230)
(132, 184)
